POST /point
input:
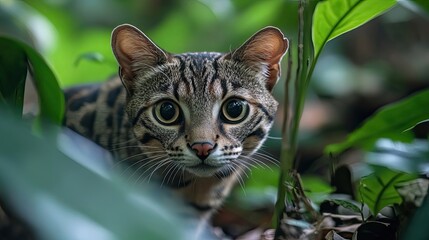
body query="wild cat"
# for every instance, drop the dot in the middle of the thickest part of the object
(190, 120)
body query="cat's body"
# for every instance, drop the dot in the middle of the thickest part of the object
(191, 121)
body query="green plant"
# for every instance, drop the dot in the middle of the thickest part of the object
(319, 22)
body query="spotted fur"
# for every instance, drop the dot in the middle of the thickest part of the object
(120, 114)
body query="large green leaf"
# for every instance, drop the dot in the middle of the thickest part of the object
(335, 17)
(391, 121)
(13, 72)
(378, 189)
(15, 59)
(51, 98)
(61, 199)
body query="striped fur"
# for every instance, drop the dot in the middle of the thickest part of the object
(120, 115)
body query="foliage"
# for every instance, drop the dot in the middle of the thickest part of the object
(330, 19)
(316, 188)
(336, 17)
(13, 75)
(70, 197)
(378, 189)
(317, 25)
(392, 121)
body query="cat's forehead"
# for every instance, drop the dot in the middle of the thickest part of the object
(199, 57)
(199, 79)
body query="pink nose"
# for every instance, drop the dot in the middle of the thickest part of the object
(202, 149)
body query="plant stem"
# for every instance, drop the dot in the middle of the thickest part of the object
(300, 84)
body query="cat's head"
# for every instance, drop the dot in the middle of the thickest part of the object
(202, 112)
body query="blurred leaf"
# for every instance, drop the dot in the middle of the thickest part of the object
(90, 56)
(13, 72)
(406, 157)
(391, 121)
(335, 17)
(378, 189)
(346, 204)
(423, 4)
(261, 177)
(417, 228)
(316, 188)
(60, 199)
(15, 55)
(51, 98)
(259, 190)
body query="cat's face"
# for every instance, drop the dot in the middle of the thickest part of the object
(205, 113)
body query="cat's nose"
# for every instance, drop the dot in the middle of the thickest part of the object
(202, 149)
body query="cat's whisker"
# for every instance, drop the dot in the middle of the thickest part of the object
(238, 177)
(123, 142)
(169, 172)
(121, 162)
(263, 150)
(153, 162)
(266, 155)
(182, 175)
(117, 164)
(159, 165)
(274, 138)
(267, 158)
(174, 174)
(258, 162)
(243, 164)
(134, 146)
(255, 162)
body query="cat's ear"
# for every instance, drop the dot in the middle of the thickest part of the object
(263, 51)
(135, 52)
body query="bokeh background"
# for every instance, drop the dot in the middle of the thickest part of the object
(376, 64)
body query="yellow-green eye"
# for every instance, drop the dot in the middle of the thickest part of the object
(234, 110)
(167, 112)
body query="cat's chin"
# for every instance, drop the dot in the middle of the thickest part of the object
(203, 170)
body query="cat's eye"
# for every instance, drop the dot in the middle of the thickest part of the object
(167, 112)
(234, 110)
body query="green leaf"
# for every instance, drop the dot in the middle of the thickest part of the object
(422, 4)
(346, 204)
(90, 56)
(378, 189)
(391, 121)
(13, 72)
(259, 190)
(316, 188)
(51, 97)
(15, 58)
(335, 17)
(61, 199)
